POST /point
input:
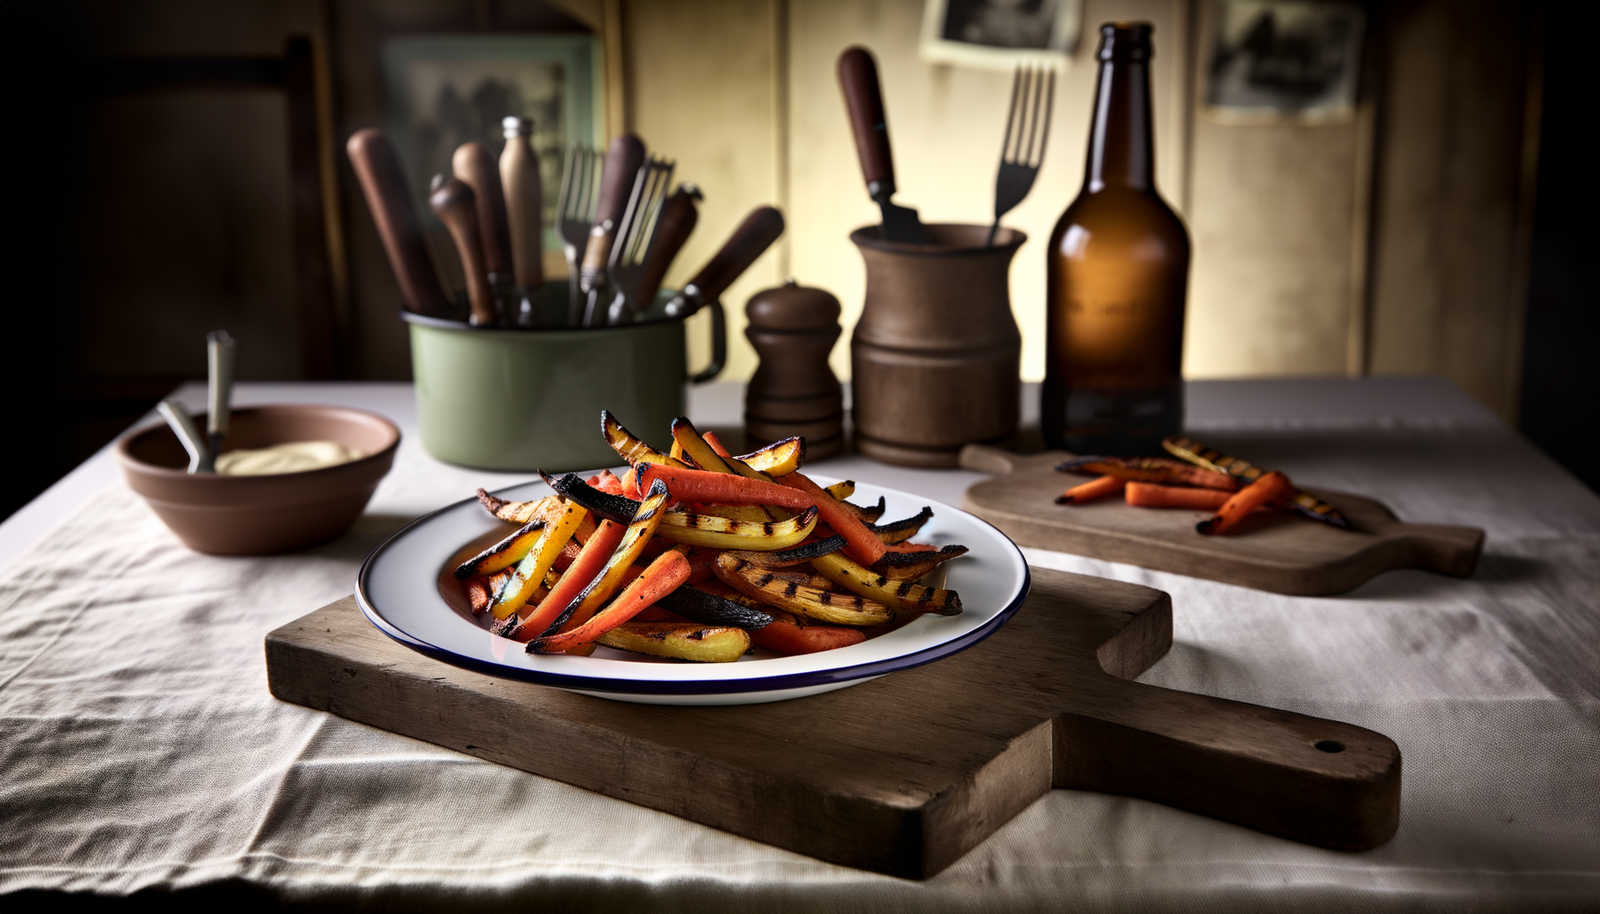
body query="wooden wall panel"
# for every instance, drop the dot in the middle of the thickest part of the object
(1449, 286)
(1274, 221)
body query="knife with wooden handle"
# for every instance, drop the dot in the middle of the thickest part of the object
(749, 241)
(858, 79)
(1303, 502)
(383, 183)
(475, 167)
(519, 178)
(454, 203)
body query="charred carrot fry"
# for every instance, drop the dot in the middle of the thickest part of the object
(1152, 495)
(608, 483)
(860, 542)
(726, 488)
(665, 574)
(1091, 490)
(1269, 487)
(583, 570)
(1163, 470)
(791, 634)
(716, 445)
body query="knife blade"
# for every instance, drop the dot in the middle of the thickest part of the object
(1302, 501)
(749, 241)
(858, 78)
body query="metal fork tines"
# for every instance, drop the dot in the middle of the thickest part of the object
(580, 191)
(625, 271)
(1033, 94)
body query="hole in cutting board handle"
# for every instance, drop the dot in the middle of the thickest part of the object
(1329, 745)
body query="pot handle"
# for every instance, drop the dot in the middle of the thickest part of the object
(719, 344)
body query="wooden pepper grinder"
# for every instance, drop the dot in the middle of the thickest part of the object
(794, 392)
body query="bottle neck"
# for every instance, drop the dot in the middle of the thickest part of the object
(1121, 153)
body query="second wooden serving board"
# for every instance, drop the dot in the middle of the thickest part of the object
(1281, 553)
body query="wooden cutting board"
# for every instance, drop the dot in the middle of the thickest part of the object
(1281, 553)
(906, 773)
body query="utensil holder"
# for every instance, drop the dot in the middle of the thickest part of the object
(936, 356)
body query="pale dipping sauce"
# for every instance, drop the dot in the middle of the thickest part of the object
(290, 457)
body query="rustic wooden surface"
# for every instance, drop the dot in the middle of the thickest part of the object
(903, 774)
(1279, 553)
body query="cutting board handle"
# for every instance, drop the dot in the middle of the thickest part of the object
(1318, 781)
(1446, 550)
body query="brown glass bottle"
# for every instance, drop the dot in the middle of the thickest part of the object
(1118, 266)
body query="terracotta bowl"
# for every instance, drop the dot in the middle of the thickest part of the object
(262, 515)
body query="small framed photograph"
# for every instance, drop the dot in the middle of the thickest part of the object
(1282, 61)
(442, 91)
(1000, 34)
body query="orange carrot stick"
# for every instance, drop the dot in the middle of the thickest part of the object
(1267, 488)
(589, 563)
(861, 544)
(716, 444)
(791, 634)
(1153, 495)
(1091, 490)
(664, 575)
(725, 488)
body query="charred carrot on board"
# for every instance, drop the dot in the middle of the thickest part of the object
(1151, 495)
(1270, 487)
(1091, 490)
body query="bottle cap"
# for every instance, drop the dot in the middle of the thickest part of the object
(517, 126)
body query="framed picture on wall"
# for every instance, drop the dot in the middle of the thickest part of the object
(1282, 61)
(1000, 34)
(442, 91)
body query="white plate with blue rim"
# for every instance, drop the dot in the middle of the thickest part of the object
(408, 590)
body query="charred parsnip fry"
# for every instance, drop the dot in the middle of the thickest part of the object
(879, 588)
(628, 445)
(841, 490)
(779, 458)
(520, 512)
(799, 555)
(503, 554)
(756, 513)
(611, 578)
(695, 448)
(679, 640)
(530, 572)
(724, 533)
(765, 585)
(914, 566)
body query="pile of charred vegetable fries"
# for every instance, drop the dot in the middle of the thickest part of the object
(696, 554)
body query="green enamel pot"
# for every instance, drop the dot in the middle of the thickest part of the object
(524, 400)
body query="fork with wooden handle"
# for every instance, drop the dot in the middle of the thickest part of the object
(624, 158)
(626, 267)
(1033, 94)
(575, 214)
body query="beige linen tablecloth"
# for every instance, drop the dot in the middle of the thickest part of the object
(140, 749)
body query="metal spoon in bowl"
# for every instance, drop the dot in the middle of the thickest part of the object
(219, 388)
(182, 425)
